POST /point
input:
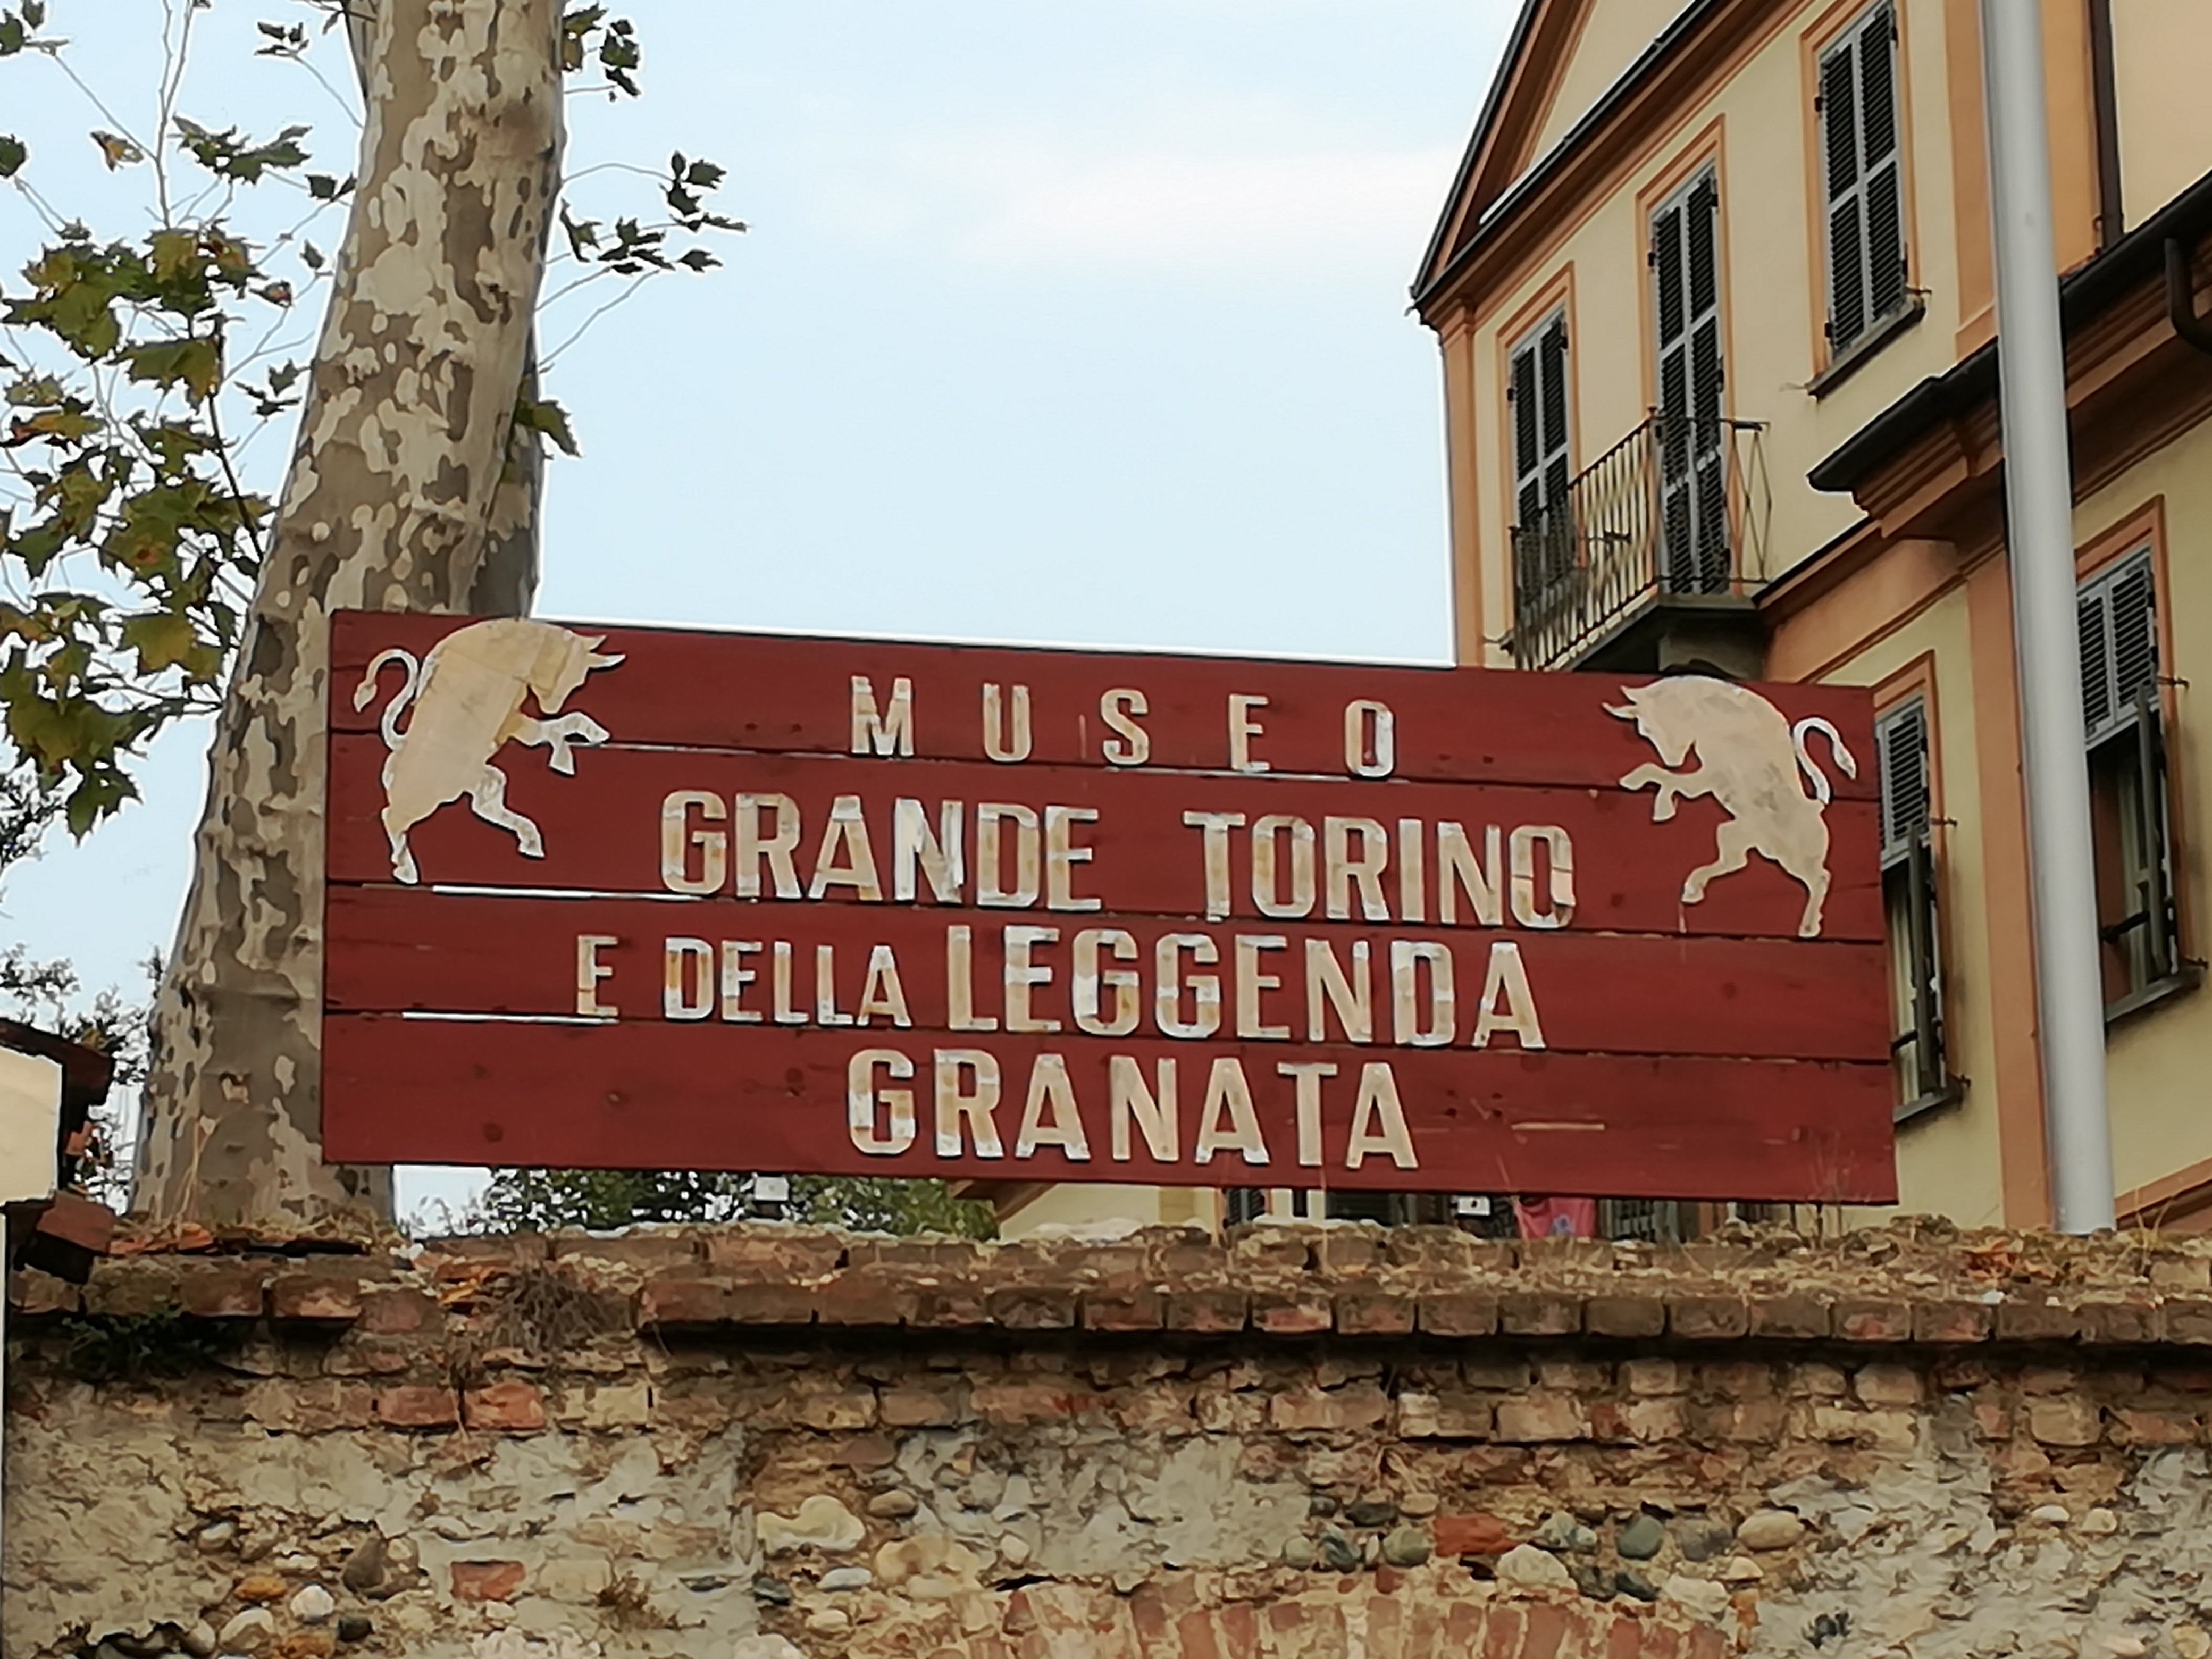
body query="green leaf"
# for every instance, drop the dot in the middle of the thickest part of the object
(174, 252)
(546, 417)
(194, 362)
(583, 234)
(163, 640)
(67, 426)
(100, 793)
(575, 29)
(38, 548)
(230, 156)
(40, 392)
(12, 155)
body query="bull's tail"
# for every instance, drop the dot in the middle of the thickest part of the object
(1811, 769)
(365, 693)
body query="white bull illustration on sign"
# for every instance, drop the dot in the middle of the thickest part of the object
(1749, 759)
(467, 695)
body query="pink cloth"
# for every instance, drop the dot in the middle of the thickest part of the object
(1556, 1217)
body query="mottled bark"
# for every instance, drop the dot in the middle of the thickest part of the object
(402, 495)
(506, 580)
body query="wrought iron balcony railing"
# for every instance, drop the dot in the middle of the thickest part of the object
(1677, 508)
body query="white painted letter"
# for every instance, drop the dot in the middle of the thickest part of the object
(1457, 871)
(1413, 872)
(1267, 864)
(1216, 827)
(1250, 982)
(846, 835)
(1226, 1122)
(735, 977)
(1560, 855)
(955, 1103)
(1050, 1091)
(1022, 974)
(1327, 987)
(999, 742)
(1156, 1115)
(881, 992)
(1411, 1022)
(1087, 977)
(1370, 739)
(1309, 1077)
(687, 978)
(590, 971)
(1168, 983)
(1379, 1121)
(1061, 856)
(1508, 976)
(678, 837)
(1344, 871)
(938, 852)
(1243, 729)
(862, 1097)
(776, 849)
(990, 855)
(960, 983)
(782, 1009)
(1135, 746)
(826, 1012)
(879, 734)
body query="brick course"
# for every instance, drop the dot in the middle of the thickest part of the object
(1303, 1443)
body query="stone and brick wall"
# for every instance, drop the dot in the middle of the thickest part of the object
(764, 1442)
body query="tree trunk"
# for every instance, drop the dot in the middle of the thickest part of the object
(402, 495)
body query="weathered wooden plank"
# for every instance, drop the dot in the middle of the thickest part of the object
(757, 691)
(603, 829)
(729, 1097)
(395, 949)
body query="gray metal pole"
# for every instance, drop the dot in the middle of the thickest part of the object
(2039, 540)
(7, 1277)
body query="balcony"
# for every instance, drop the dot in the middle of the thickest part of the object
(1651, 558)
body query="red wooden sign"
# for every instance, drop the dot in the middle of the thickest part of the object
(635, 898)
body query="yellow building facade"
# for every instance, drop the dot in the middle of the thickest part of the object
(1714, 295)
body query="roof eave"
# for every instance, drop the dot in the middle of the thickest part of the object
(1593, 121)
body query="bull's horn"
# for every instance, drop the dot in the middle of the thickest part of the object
(1621, 711)
(595, 659)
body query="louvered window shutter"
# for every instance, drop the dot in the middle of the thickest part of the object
(1539, 422)
(2118, 612)
(1864, 178)
(1901, 739)
(1552, 380)
(1692, 386)
(1527, 418)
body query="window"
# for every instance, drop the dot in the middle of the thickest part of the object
(1865, 188)
(1539, 395)
(1243, 1204)
(1649, 1220)
(1908, 893)
(1692, 437)
(1543, 533)
(2124, 723)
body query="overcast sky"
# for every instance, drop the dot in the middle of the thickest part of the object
(1059, 321)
